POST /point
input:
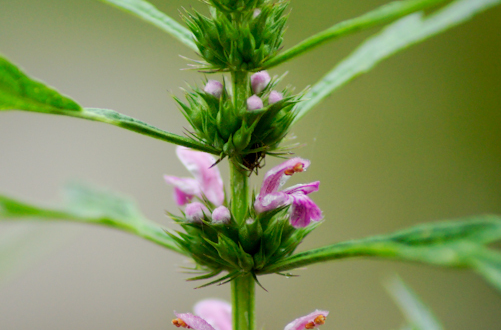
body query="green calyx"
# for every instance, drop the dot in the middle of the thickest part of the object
(238, 35)
(258, 243)
(243, 135)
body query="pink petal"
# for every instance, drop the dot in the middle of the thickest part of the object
(200, 165)
(184, 189)
(194, 322)
(216, 312)
(310, 319)
(303, 211)
(271, 201)
(254, 103)
(303, 188)
(277, 176)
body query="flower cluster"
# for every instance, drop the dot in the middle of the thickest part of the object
(274, 226)
(213, 314)
(245, 130)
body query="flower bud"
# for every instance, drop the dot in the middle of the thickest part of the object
(214, 88)
(221, 215)
(195, 212)
(259, 81)
(256, 13)
(275, 97)
(254, 103)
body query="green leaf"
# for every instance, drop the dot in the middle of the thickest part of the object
(20, 92)
(458, 244)
(91, 205)
(396, 37)
(416, 312)
(384, 14)
(147, 12)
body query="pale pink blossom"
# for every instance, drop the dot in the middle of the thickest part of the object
(214, 88)
(275, 97)
(216, 312)
(190, 321)
(221, 215)
(206, 182)
(259, 81)
(303, 210)
(310, 321)
(254, 103)
(196, 212)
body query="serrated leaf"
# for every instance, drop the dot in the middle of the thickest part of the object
(416, 312)
(18, 91)
(91, 205)
(396, 37)
(458, 244)
(147, 12)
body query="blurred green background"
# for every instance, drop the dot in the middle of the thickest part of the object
(415, 140)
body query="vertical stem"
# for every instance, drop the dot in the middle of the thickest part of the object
(239, 192)
(243, 287)
(242, 300)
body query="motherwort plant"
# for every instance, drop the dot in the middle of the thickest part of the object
(240, 114)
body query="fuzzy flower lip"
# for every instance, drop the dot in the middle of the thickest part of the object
(207, 178)
(259, 81)
(303, 210)
(310, 321)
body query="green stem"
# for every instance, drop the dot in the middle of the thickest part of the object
(239, 80)
(243, 301)
(239, 192)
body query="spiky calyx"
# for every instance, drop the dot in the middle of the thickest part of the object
(238, 35)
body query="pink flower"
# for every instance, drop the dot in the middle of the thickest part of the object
(207, 179)
(211, 314)
(195, 212)
(310, 321)
(214, 88)
(216, 312)
(221, 215)
(303, 209)
(259, 81)
(254, 103)
(275, 97)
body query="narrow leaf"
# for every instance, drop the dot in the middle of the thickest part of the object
(416, 312)
(147, 12)
(90, 205)
(384, 14)
(396, 37)
(458, 244)
(20, 92)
